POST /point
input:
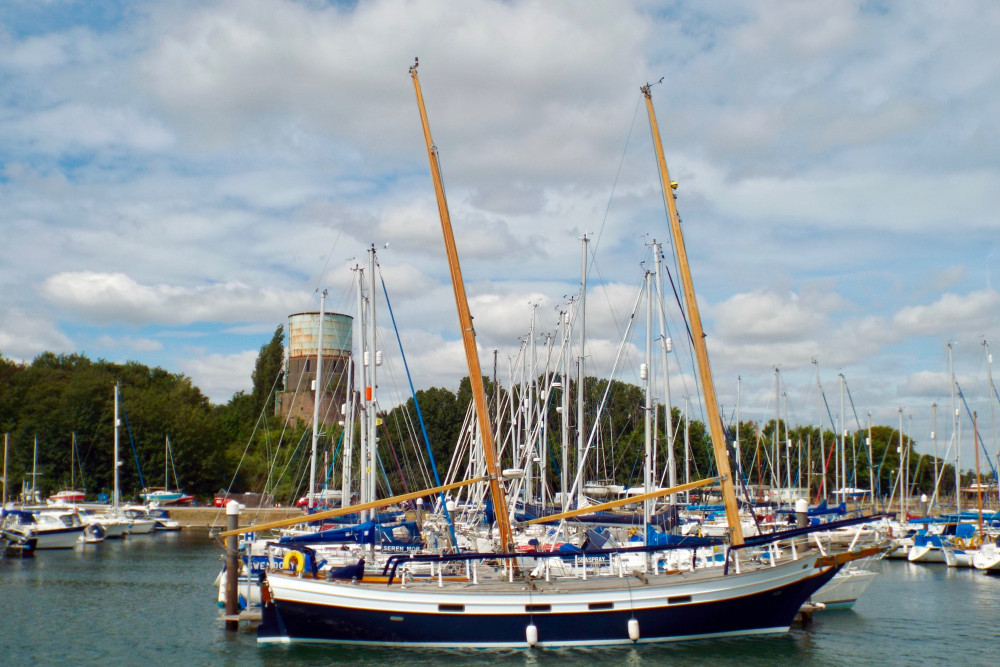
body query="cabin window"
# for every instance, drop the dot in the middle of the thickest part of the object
(537, 607)
(451, 607)
(678, 599)
(598, 606)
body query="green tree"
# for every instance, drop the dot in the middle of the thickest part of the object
(267, 372)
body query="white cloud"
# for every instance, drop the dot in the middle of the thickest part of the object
(116, 297)
(975, 313)
(219, 376)
(927, 383)
(25, 334)
(766, 316)
(129, 342)
(78, 127)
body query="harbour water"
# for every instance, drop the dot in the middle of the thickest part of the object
(149, 600)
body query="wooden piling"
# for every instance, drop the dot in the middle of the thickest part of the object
(232, 568)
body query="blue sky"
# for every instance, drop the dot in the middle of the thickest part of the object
(178, 177)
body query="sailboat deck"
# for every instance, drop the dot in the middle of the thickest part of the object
(494, 580)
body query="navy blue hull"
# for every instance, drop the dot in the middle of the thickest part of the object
(772, 610)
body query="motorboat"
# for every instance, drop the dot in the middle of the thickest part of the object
(50, 530)
(142, 522)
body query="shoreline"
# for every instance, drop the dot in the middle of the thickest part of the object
(215, 517)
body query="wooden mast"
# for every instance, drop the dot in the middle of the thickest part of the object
(468, 333)
(698, 334)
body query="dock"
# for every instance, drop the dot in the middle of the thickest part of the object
(211, 518)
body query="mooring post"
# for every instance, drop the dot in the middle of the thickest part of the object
(232, 567)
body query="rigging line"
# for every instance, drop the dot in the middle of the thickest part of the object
(319, 278)
(403, 421)
(131, 440)
(592, 266)
(683, 312)
(856, 420)
(170, 450)
(833, 423)
(577, 480)
(979, 435)
(850, 398)
(261, 416)
(614, 185)
(392, 450)
(333, 460)
(416, 404)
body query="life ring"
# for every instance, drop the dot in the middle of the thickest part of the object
(294, 560)
(975, 542)
(960, 543)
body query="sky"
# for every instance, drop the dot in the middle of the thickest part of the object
(179, 177)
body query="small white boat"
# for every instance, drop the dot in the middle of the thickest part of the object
(163, 520)
(846, 587)
(142, 523)
(113, 525)
(987, 557)
(50, 530)
(927, 548)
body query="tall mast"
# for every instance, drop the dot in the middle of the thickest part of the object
(581, 422)
(34, 470)
(993, 394)
(648, 412)
(698, 336)
(954, 433)
(318, 395)
(116, 494)
(3, 497)
(348, 413)
(934, 440)
(736, 443)
(468, 333)
(531, 422)
(362, 369)
(543, 465)
(665, 348)
(871, 463)
(687, 447)
(843, 440)
(819, 409)
(775, 449)
(902, 465)
(787, 442)
(979, 488)
(564, 412)
(371, 463)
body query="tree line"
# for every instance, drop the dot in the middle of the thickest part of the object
(242, 445)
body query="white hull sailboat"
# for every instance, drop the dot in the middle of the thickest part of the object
(490, 600)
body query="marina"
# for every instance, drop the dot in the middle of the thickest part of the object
(149, 599)
(617, 483)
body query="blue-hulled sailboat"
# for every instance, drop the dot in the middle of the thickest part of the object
(489, 599)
